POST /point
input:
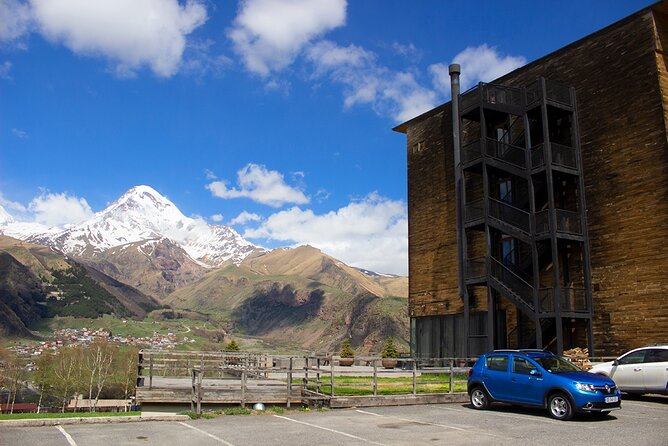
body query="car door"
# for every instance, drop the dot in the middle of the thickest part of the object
(496, 376)
(655, 370)
(627, 374)
(525, 381)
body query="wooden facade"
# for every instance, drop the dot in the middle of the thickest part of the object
(620, 78)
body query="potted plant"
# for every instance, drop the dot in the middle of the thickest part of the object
(347, 354)
(389, 354)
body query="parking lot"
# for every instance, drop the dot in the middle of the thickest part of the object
(641, 421)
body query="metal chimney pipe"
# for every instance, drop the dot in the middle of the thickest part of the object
(455, 71)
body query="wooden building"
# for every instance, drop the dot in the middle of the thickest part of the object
(559, 222)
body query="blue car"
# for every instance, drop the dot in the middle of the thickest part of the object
(541, 379)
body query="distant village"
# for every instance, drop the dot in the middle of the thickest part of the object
(71, 337)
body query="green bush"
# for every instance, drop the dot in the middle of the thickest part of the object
(232, 346)
(389, 350)
(346, 350)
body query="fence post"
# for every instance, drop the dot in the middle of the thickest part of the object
(331, 377)
(414, 377)
(289, 395)
(317, 377)
(150, 372)
(452, 363)
(243, 387)
(375, 377)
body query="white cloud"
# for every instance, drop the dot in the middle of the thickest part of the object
(365, 81)
(217, 218)
(5, 67)
(130, 33)
(370, 233)
(479, 64)
(244, 218)
(59, 209)
(21, 134)
(13, 205)
(14, 20)
(270, 34)
(210, 175)
(260, 185)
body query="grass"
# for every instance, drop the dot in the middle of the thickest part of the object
(34, 416)
(239, 411)
(363, 385)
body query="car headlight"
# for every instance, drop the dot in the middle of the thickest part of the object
(585, 387)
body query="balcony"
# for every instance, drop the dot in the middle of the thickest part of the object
(491, 94)
(554, 92)
(476, 269)
(562, 156)
(568, 222)
(574, 300)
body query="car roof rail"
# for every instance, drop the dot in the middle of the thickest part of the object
(521, 350)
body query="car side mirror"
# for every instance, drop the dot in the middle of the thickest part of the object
(615, 362)
(535, 372)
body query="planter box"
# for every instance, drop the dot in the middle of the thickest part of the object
(347, 362)
(389, 363)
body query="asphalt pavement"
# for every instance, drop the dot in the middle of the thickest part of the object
(641, 421)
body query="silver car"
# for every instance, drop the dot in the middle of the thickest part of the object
(643, 370)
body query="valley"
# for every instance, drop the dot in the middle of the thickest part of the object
(140, 268)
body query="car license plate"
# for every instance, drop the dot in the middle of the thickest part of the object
(611, 399)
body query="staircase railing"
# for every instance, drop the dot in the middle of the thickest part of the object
(507, 213)
(505, 152)
(512, 281)
(564, 156)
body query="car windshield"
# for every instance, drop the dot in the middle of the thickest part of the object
(557, 364)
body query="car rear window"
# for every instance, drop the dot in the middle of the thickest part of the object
(657, 355)
(497, 363)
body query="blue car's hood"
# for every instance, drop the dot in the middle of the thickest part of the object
(589, 378)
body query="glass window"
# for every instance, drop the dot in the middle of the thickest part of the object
(657, 355)
(499, 363)
(557, 364)
(633, 358)
(522, 366)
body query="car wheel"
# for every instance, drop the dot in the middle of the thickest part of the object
(479, 398)
(560, 407)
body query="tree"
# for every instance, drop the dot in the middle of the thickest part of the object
(232, 346)
(346, 350)
(99, 357)
(389, 350)
(66, 375)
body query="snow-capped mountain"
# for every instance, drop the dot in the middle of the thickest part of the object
(5, 218)
(140, 214)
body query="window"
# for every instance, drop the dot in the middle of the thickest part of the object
(633, 358)
(418, 147)
(522, 366)
(499, 363)
(657, 355)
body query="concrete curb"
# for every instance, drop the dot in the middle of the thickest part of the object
(92, 420)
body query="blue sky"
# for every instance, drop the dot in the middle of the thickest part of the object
(273, 116)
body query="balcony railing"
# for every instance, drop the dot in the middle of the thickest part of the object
(542, 220)
(537, 156)
(564, 156)
(473, 211)
(476, 268)
(505, 152)
(471, 152)
(553, 92)
(492, 94)
(569, 222)
(574, 300)
(509, 214)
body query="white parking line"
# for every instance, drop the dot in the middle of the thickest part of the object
(206, 433)
(330, 430)
(509, 415)
(430, 424)
(67, 436)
